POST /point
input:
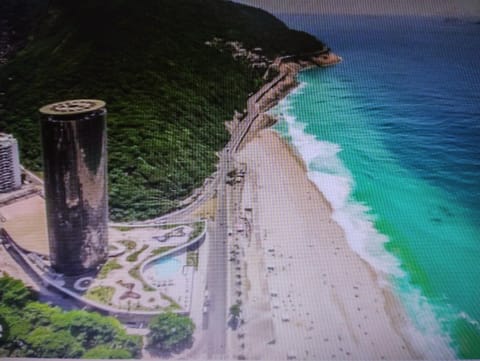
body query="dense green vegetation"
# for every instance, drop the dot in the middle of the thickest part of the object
(168, 94)
(18, 19)
(170, 332)
(34, 329)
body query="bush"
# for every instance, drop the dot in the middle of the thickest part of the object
(105, 352)
(170, 332)
(235, 310)
(40, 314)
(14, 293)
(43, 342)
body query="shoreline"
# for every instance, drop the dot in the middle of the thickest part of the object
(394, 315)
(355, 300)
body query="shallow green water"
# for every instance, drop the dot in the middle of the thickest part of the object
(402, 175)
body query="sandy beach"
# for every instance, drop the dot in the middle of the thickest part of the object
(309, 296)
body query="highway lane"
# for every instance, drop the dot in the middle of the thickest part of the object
(253, 112)
(218, 231)
(217, 269)
(216, 317)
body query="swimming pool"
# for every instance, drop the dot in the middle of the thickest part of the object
(165, 267)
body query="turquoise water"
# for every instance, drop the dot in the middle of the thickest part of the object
(391, 137)
(167, 267)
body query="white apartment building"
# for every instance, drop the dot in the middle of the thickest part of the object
(10, 175)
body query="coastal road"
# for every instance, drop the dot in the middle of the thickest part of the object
(217, 269)
(218, 231)
(216, 317)
(253, 112)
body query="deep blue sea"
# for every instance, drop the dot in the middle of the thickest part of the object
(391, 136)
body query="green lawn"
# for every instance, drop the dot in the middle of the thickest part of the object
(108, 267)
(102, 294)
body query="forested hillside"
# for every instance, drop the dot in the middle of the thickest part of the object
(168, 94)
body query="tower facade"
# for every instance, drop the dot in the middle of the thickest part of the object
(10, 175)
(74, 145)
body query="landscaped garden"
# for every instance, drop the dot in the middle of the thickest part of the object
(137, 278)
(149, 269)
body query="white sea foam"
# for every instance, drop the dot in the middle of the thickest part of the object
(423, 329)
(469, 319)
(335, 182)
(333, 179)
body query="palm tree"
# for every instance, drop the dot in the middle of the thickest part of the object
(235, 312)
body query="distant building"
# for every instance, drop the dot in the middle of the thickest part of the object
(10, 174)
(74, 145)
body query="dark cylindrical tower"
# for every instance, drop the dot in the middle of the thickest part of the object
(75, 173)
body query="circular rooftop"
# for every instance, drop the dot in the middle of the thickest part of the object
(73, 107)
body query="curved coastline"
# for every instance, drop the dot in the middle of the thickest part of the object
(277, 164)
(322, 271)
(414, 315)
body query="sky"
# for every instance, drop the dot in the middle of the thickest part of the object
(446, 8)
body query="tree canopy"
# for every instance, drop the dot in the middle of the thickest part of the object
(170, 332)
(14, 293)
(34, 329)
(105, 352)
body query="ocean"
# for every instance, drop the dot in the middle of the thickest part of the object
(391, 137)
